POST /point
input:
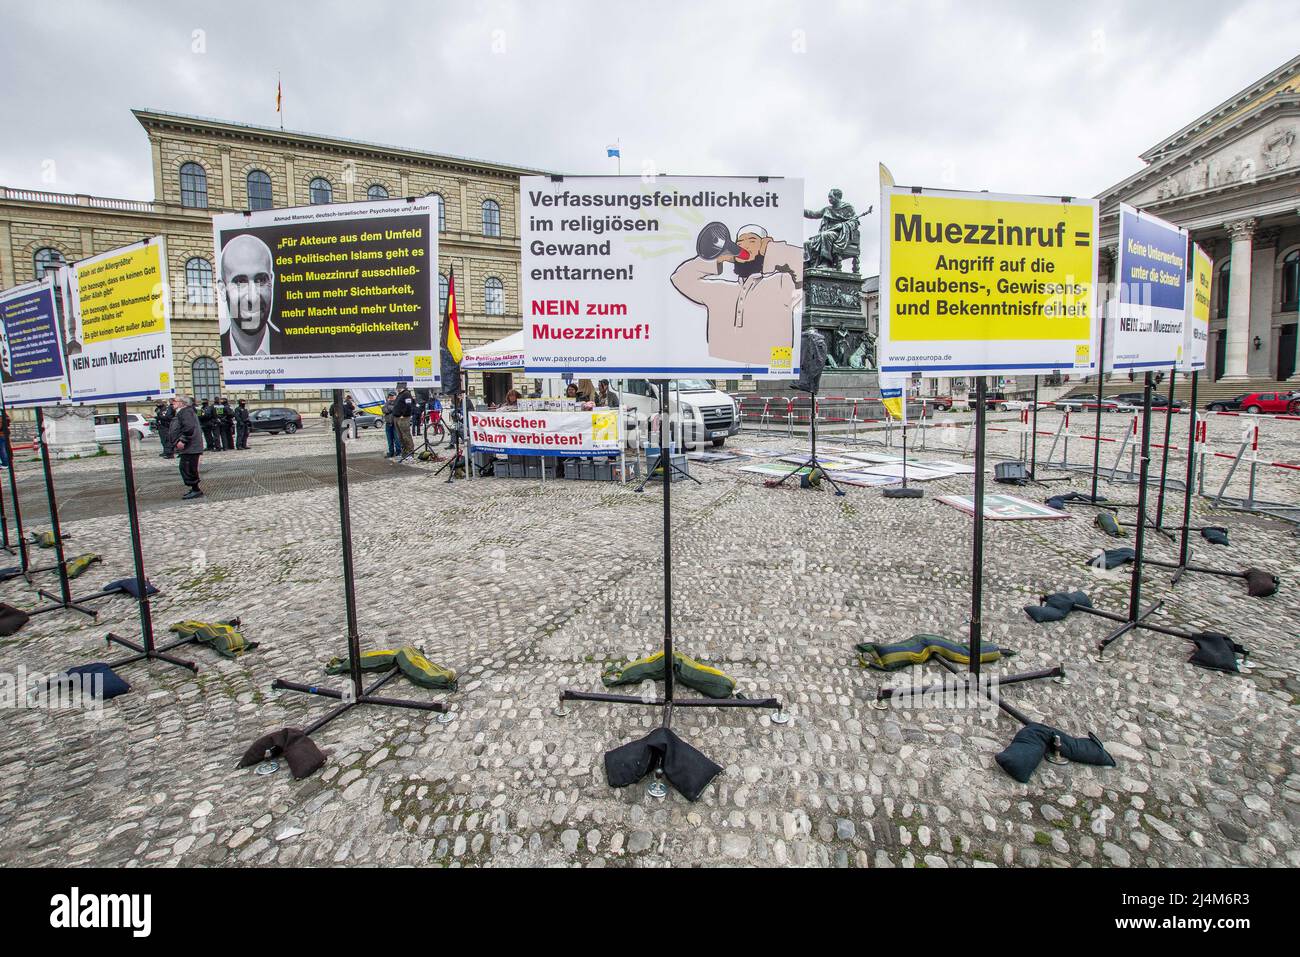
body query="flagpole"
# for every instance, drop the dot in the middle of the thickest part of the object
(279, 98)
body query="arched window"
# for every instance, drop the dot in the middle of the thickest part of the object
(44, 259)
(443, 286)
(1224, 276)
(205, 378)
(259, 189)
(376, 191)
(494, 297)
(194, 186)
(1291, 281)
(491, 218)
(321, 191)
(198, 281)
(440, 208)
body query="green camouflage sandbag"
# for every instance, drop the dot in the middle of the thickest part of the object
(1107, 522)
(424, 672)
(634, 672)
(221, 636)
(79, 564)
(370, 661)
(707, 680)
(43, 539)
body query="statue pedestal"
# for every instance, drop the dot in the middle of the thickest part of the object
(70, 432)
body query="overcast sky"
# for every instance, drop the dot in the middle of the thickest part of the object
(1012, 97)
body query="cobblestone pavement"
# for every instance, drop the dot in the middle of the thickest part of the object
(526, 589)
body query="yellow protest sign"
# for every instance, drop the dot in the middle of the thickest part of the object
(121, 295)
(981, 282)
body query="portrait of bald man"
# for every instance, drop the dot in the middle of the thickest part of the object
(248, 286)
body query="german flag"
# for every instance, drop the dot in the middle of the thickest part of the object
(450, 322)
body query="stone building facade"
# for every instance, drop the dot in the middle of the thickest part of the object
(1232, 178)
(202, 167)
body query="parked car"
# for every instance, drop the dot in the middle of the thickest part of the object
(108, 430)
(940, 403)
(275, 421)
(998, 401)
(1084, 403)
(1158, 401)
(368, 420)
(1257, 402)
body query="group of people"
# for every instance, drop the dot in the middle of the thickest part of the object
(224, 427)
(601, 396)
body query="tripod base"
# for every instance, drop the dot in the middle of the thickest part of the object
(58, 604)
(902, 493)
(664, 460)
(368, 696)
(149, 654)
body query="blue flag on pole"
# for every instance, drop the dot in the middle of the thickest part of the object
(612, 150)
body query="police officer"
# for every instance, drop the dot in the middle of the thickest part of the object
(403, 410)
(225, 424)
(162, 421)
(243, 422)
(208, 424)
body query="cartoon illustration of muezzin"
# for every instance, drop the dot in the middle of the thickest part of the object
(753, 311)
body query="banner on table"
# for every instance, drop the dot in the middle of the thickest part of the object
(1196, 332)
(563, 434)
(31, 348)
(118, 325)
(985, 283)
(1150, 297)
(329, 295)
(682, 276)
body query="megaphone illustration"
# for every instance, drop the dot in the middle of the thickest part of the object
(714, 241)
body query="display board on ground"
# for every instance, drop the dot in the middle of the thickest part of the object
(561, 434)
(985, 283)
(1196, 331)
(118, 325)
(31, 348)
(329, 295)
(681, 276)
(1150, 300)
(1006, 507)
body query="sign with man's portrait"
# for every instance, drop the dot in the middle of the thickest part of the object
(679, 276)
(329, 295)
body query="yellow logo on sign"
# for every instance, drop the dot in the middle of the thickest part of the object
(1081, 353)
(164, 380)
(423, 367)
(604, 426)
(782, 357)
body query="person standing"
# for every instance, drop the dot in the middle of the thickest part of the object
(243, 423)
(208, 426)
(225, 424)
(187, 441)
(350, 416)
(403, 409)
(162, 421)
(390, 428)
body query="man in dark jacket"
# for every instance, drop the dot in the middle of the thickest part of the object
(243, 422)
(225, 416)
(162, 423)
(187, 440)
(403, 410)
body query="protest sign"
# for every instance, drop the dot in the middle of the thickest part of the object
(329, 295)
(561, 434)
(31, 352)
(118, 324)
(1150, 299)
(682, 276)
(1196, 332)
(984, 283)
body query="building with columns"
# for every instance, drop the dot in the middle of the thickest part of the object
(202, 167)
(1232, 178)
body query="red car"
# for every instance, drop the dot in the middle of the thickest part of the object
(1257, 402)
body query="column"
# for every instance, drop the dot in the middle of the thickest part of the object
(1238, 340)
(226, 193)
(155, 152)
(291, 184)
(1262, 363)
(1295, 376)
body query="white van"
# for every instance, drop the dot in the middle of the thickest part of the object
(107, 430)
(699, 413)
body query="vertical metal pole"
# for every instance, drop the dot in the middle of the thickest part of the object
(977, 556)
(4, 518)
(24, 560)
(1164, 457)
(1144, 468)
(1191, 464)
(1033, 436)
(345, 527)
(665, 459)
(1101, 377)
(133, 517)
(64, 590)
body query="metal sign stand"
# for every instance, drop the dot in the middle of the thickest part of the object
(814, 464)
(357, 693)
(669, 699)
(64, 599)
